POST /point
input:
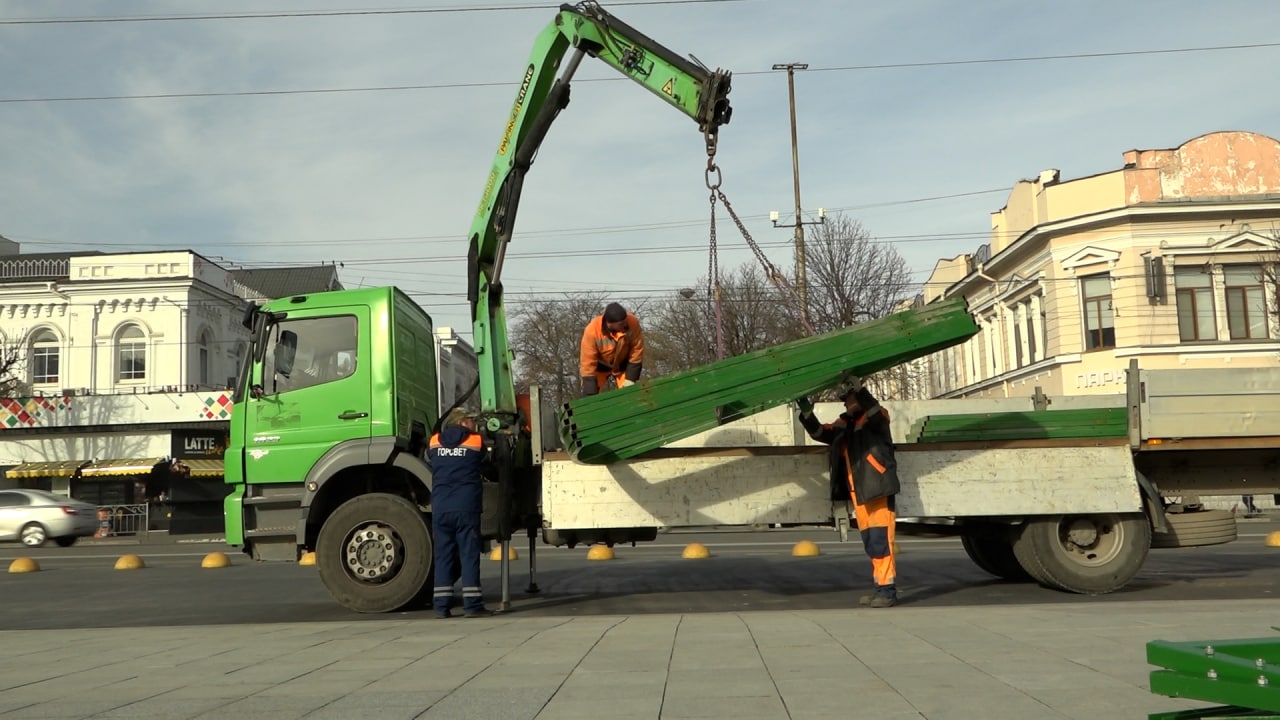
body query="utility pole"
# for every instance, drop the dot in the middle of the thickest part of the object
(801, 284)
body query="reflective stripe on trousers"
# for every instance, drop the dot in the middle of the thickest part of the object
(876, 520)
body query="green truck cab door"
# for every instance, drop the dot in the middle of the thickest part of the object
(310, 391)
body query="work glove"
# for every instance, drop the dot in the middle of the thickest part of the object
(806, 407)
(590, 386)
(626, 383)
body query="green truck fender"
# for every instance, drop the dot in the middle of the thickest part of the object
(356, 453)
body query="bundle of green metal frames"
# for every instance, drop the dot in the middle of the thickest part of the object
(625, 423)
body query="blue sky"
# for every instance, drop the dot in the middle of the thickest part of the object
(386, 181)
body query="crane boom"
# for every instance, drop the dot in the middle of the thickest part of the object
(589, 30)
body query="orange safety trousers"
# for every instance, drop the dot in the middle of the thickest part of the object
(876, 520)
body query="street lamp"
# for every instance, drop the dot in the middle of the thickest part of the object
(801, 284)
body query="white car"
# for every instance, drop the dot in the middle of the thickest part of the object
(35, 516)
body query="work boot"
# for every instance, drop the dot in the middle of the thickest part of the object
(883, 593)
(883, 601)
(443, 614)
(481, 613)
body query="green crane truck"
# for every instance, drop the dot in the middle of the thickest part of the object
(339, 393)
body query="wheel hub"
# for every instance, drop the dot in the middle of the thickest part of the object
(374, 553)
(1091, 541)
(1082, 533)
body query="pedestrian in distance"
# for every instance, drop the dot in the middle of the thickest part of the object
(865, 470)
(456, 455)
(612, 351)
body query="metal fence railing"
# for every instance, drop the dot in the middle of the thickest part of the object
(114, 520)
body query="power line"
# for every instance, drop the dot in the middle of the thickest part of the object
(322, 13)
(522, 234)
(843, 68)
(1043, 58)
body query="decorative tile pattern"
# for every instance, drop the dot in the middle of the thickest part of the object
(32, 411)
(217, 407)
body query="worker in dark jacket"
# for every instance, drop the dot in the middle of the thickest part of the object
(456, 455)
(612, 351)
(864, 469)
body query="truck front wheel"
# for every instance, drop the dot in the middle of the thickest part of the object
(374, 553)
(1089, 554)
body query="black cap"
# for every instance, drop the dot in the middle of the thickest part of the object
(613, 312)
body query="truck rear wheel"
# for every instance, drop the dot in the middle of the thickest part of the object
(994, 554)
(374, 553)
(1088, 554)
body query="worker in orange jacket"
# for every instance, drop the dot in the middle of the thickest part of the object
(864, 469)
(612, 351)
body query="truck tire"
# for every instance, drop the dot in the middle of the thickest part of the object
(1087, 554)
(374, 553)
(1194, 529)
(995, 556)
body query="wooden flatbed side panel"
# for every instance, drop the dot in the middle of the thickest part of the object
(686, 491)
(745, 489)
(1018, 482)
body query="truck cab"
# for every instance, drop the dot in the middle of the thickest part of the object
(336, 400)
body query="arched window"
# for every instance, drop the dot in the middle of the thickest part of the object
(46, 356)
(131, 354)
(204, 353)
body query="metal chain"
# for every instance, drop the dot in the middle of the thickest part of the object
(713, 285)
(779, 280)
(776, 276)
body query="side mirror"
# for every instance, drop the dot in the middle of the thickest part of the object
(250, 310)
(286, 351)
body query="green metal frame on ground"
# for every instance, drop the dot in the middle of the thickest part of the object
(1242, 674)
(625, 423)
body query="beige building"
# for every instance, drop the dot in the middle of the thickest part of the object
(1170, 259)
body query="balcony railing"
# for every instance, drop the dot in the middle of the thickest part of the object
(35, 268)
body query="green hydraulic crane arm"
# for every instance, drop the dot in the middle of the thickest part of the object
(591, 31)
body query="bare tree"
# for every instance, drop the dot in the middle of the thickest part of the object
(851, 277)
(752, 313)
(11, 383)
(1271, 275)
(546, 335)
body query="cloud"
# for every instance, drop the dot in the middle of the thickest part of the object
(331, 177)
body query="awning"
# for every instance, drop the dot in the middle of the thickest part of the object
(120, 468)
(204, 467)
(52, 468)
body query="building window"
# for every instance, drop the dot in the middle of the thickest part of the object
(1246, 302)
(1018, 360)
(203, 350)
(1029, 328)
(45, 358)
(131, 354)
(1099, 317)
(1194, 288)
(992, 345)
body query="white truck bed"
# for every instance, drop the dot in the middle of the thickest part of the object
(763, 469)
